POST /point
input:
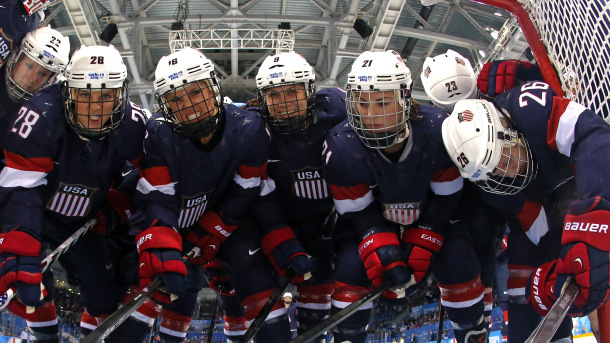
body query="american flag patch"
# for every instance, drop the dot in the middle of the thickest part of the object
(71, 200)
(309, 183)
(465, 116)
(403, 214)
(192, 209)
(427, 72)
(460, 61)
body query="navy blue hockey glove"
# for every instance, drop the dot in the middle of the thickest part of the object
(497, 77)
(20, 259)
(420, 246)
(113, 213)
(217, 278)
(380, 252)
(209, 234)
(585, 255)
(160, 250)
(285, 251)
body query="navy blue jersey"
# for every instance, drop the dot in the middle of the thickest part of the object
(8, 110)
(567, 140)
(51, 169)
(181, 180)
(14, 24)
(295, 161)
(420, 189)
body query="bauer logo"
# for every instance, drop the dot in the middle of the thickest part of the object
(309, 183)
(71, 200)
(402, 213)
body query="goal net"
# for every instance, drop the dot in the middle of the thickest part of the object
(575, 35)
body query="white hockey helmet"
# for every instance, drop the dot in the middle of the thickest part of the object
(287, 294)
(448, 78)
(47, 48)
(379, 71)
(182, 70)
(487, 149)
(282, 72)
(95, 69)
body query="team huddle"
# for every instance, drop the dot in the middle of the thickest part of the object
(339, 191)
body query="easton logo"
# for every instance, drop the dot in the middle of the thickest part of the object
(402, 213)
(309, 183)
(71, 200)
(193, 208)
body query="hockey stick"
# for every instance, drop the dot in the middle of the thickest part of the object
(120, 315)
(6, 298)
(441, 315)
(340, 316)
(551, 322)
(275, 296)
(213, 322)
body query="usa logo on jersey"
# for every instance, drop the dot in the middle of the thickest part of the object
(402, 213)
(309, 183)
(6, 46)
(192, 209)
(71, 200)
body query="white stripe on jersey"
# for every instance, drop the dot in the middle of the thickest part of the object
(247, 183)
(447, 188)
(539, 227)
(267, 186)
(10, 177)
(349, 205)
(145, 187)
(172, 332)
(565, 130)
(462, 304)
(344, 304)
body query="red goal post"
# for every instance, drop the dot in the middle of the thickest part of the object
(570, 40)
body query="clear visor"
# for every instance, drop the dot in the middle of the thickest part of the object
(515, 169)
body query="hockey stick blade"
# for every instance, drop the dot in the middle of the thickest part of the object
(551, 322)
(6, 298)
(340, 316)
(120, 315)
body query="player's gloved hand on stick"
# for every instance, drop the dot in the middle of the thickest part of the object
(210, 232)
(285, 251)
(497, 77)
(160, 250)
(217, 278)
(20, 258)
(585, 255)
(380, 252)
(420, 246)
(113, 213)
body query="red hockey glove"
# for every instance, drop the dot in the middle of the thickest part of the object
(113, 213)
(208, 235)
(420, 246)
(33, 6)
(380, 252)
(497, 77)
(540, 287)
(285, 252)
(20, 266)
(160, 250)
(218, 279)
(585, 255)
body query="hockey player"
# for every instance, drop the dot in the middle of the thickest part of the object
(16, 21)
(466, 288)
(536, 143)
(63, 152)
(201, 173)
(300, 118)
(387, 171)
